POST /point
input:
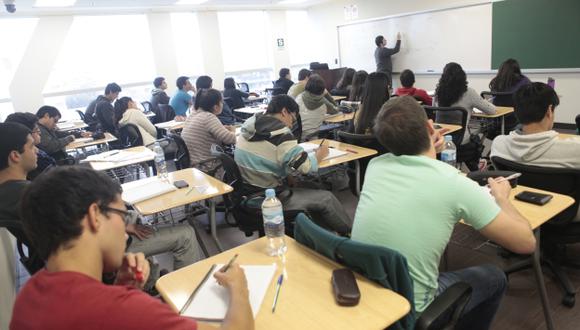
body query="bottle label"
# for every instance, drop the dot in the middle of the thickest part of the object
(448, 155)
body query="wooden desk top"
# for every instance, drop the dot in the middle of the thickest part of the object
(306, 300)
(338, 98)
(103, 166)
(71, 125)
(451, 128)
(564, 136)
(500, 111)
(78, 144)
(340, 118)
(537, 214)
(204, 187)
(353, 152)
(171, 125)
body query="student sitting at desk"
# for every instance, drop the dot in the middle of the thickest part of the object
(267, 153)
(76, 219)
(343, 85)
(410, 203)
(227, 115)
(509, 79)
(126, 112)
(203, 128)
(284, 82)
(375, 94)
(158, 95)
(102, 102)
(408, 80)
(52, 141)
(298, 87)
(357, 87)
(313, 106)
(236, 96)
(181, 100)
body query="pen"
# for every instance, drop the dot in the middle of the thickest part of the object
(138, 275)
(511, 177)
(352, 151)
(230, 263)
(278, 286)
(321, 143)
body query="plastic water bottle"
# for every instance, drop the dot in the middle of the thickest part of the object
(273, 223)
(449, 153)
(160, 165)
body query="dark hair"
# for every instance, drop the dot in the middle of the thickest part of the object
(532, 101)
(158, 82)
(508, 75)
(52, 112)
(181, 81)
(358, 83)
(315, 85)
(401, 126)
(280, 102)
(452, 85)
(379, 40)
(24, 118)
(229, 83)
(407, 78)
(203, 82)
(13, 137)
(375, 94)
(283, 72)
(112, 88)
(207, 98)
(56, 202)
(346, 78)
(303, 74)
(121, 105)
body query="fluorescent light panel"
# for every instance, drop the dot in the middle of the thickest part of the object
(291, 2)
(190, 2)
(54, 3)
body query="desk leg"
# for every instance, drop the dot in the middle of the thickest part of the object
(357, 177)
(541, 285)
(502, 125)
(212, 224)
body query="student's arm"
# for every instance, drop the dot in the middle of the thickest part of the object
(242, 94)
(51, 144)
(220, 132)
(144, 122)
(427, 100)
(480, 103)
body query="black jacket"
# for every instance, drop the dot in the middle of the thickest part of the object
(284, 84)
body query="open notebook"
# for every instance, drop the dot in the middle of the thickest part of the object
(332, 152)
(210, 302)
(116, 156)
(138, 191)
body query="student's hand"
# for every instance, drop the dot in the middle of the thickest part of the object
(322, 152)
(142, 232)
(398, 35)
(234, 279)
(439, 139)
(499, 190)
(179, 118)
(86, 134)
(134, 271)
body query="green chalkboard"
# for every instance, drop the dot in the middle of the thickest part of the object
(540, 34)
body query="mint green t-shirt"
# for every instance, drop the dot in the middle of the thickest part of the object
(411, 204)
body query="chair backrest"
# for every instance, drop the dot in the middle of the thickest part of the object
(449, 115)
(244, 87)
(362, 140)
(274, 91)
(31, 261)
(166, 113)
(81, 115)
(181, 156)
(559, 180)
(230, 102)
(147, 106)
(578, 124)
(502, 99)
(130, 135)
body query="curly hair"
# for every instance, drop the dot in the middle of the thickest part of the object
(452, 85)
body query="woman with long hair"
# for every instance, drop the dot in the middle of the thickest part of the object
(126, 112)
(375, 94)
(357, 86)
(343, 85)
(509, 79)
(236, 96)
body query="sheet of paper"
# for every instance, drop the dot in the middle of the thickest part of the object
(138, 191)
(332, 152)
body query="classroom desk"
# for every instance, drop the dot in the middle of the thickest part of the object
(254, 99)
(339, 118)
(82, 145)
(450, 128)
(72, 125)
(354, 153)
(204, 187)
(564, 136)
(171, 125)
(500, 112)
(305, 301)
(337, 98)
(148, 155)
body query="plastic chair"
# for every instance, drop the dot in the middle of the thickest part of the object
(166, 113)
(578, 124)
(130, 136)
(501, 99)
(244, 87)
(181, 155)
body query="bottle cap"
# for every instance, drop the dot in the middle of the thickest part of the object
(270, 193)
(448, 138)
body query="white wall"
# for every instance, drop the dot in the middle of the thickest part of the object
(326, 17)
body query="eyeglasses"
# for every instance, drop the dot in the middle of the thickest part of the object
(36, 131)
(128, 216)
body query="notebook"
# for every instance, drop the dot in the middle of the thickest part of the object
(210, 302)
(332, 152)
(116, 156)
(138, 191)
(167, 124)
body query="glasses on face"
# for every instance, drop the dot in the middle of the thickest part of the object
(128, 216)
(36, 131)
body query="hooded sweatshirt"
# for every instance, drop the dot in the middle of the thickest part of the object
(137, 118)
(266, 152)
(312, 110)
(158, 96)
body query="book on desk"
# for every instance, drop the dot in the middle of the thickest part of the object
(142, 190)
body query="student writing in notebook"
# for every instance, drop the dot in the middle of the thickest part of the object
(75, 218)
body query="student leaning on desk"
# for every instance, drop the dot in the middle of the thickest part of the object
(75, 218)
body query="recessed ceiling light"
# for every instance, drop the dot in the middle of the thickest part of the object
(54, 3)
(190, 2)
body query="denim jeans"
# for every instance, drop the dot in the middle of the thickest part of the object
(488, 283)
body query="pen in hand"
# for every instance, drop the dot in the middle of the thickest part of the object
(511, 177)
(225, 269)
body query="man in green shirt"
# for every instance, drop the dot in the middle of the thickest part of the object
(410, 202)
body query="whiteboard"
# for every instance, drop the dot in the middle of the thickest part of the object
(429, 40)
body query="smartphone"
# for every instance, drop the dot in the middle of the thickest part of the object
(180, 184)
(437, 126)
(534, 198)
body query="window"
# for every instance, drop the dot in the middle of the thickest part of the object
(300, 46)
(16, 33)
(6, 109)
(103, 49)
(244, 40)
(257, 80)
(187, 43)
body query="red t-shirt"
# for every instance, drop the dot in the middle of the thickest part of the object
(421, 93)
(70, 300)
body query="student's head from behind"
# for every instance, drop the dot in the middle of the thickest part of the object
(229, 83)
(407, 78)
(29, 120)
(284, 108)
(358, 81)
(380, 41)
(304, 74)
(122, 105)
(69, 207)
(346, 78)
(535, 103)
(203, 82)
(17, 148)
(375, 94)
(452, 85)
(112, 91)
(183, 83)
(160, 83)
(48, 116)
(508, 74)
(315, 85)
(284, 73)
(402, 127)
(209, 100)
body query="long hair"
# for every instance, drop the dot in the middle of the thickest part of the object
(508, 75)
(358, 82)
(452, 85)
(346, 78)
(121, 105)
(375, 94)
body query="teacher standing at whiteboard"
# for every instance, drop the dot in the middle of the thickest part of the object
(383, 56)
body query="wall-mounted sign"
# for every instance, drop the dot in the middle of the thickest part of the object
(280, 42)
(350, 12)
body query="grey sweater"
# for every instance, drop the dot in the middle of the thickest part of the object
(383, 57)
